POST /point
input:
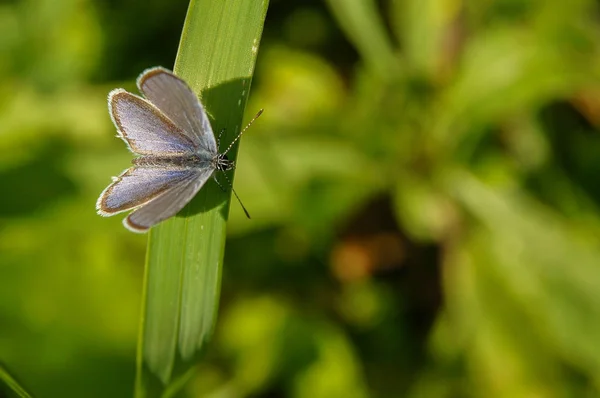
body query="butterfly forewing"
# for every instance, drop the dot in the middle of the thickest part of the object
(146, 129)
(139, 185)
(167, 204)
(178, 102)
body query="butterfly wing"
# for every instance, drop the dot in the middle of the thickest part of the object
(167, 204)
(137, 186)
(145, 129)
(180, 104)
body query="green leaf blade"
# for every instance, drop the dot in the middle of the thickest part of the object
(14, 387)
(216, 57)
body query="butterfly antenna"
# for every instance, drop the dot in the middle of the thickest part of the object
(236, 195)
(242, 132)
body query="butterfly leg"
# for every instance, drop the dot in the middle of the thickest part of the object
(233, 190)
(219, 184)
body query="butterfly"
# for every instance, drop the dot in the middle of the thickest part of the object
(177, 152)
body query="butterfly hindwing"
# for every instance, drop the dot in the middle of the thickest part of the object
(137, 186)
(167, 204)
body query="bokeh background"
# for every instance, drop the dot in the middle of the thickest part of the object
(424, 185)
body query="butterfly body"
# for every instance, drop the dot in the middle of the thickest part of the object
(219, 162)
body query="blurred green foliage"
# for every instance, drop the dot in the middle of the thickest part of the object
(423, 186)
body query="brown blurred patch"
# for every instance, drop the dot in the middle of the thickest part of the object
(368, 243)
(587, 102)
(356, 258)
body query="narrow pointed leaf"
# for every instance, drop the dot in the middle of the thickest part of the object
(216, 56)
(10, 386)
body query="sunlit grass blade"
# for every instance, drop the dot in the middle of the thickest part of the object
(363, 25)
(217, 53)
(10, 386)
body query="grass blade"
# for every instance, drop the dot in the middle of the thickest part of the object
(12, 384)
(216, 56)
(362, 24)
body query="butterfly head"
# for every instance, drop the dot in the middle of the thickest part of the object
(223, 163)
